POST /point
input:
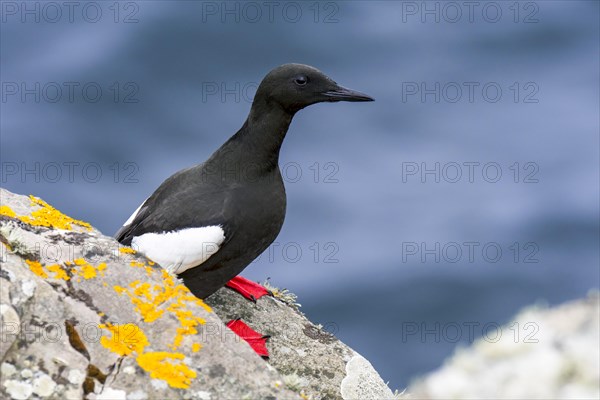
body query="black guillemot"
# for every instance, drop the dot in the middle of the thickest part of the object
(208, 222)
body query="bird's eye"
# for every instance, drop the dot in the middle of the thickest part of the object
(301, 80)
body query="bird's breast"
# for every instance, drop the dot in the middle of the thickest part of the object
(260, 211)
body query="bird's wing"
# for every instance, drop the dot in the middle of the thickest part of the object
(182, 224)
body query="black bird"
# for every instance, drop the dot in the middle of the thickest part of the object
(208, 222)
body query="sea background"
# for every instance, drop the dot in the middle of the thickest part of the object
(369, 244)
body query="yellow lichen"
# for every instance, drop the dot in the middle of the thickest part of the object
(151, 301)
(137, 264)
(37, 268)
(42, 270)
(126, 339)
(148, 301)
(101, 267)
(305, 396)
(7, 211)
(50, 217)
(59, 272)
(119, 289)
(86, 270)
(176, 375)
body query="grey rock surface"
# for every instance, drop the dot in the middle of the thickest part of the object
(309, 358)
(83, 317)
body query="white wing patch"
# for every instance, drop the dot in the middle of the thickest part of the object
(135, 213)
(179, 251)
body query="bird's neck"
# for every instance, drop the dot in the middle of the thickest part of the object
(259, 141)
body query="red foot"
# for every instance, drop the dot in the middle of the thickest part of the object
(247, 288)
(255, 340)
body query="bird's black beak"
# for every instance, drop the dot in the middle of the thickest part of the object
(340, 93)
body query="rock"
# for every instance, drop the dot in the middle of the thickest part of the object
(82, 316)
(555, 355)
(310, 359)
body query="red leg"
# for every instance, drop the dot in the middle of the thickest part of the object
(250, 290)
(255, 340)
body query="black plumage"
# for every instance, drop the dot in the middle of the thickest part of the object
(239, 188)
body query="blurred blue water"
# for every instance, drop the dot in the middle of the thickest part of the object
(355, 201)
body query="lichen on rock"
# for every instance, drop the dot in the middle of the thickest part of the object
(71, 335)
(124, 328)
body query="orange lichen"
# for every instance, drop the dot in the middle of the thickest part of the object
(126, 339)
(50, 217)
(176, 375)
(7, 211)
(196, 347)
(37, 268)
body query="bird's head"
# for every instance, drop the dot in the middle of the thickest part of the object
(295, 86)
